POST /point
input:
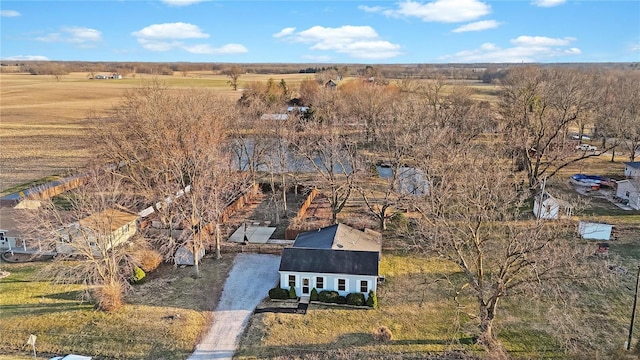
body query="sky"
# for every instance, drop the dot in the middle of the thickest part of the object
(339, 31)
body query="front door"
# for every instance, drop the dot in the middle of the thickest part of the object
(305, 286)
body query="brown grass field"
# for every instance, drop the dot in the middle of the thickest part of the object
(42, 120)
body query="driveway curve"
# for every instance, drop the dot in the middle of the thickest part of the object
(248, 283)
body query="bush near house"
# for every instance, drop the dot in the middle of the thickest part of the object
(328, 296)
(356, 299)
(292, 293)
(314, 295)
(278, 293)
(372, 299)
(341, 300)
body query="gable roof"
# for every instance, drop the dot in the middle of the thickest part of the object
(330, 261)
(635, 164)
(339, 237)
(111, 219)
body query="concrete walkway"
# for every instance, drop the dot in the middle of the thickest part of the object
(248, 283)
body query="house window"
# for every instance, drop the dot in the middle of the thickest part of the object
(627, 194)
(342, 285)
(364, 286)
(292, 281)
(319, 282)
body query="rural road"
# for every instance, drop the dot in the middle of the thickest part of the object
(248, 283)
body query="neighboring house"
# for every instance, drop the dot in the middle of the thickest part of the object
(632, 169)
(546, 206)
(337, 257)
(100, 77)
(594, 231)
(629, 192)
(331, 84)
(101, 232)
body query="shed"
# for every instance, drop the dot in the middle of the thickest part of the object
(548, 207)
(184, 256)
(594, 231)
(632, 169)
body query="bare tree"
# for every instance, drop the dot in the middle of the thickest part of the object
(537, 107)
(94, 228)
(174, 142)
(472, 216)
(234, 73)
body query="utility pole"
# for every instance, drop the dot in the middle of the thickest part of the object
(633, 314)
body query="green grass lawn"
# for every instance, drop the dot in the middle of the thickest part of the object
(164, 317)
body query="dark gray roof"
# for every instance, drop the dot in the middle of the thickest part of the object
(330, 261)
(318, 239)
(635, 164)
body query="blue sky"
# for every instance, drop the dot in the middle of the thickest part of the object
(351, 31)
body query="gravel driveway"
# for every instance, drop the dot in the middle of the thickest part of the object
(248, 283)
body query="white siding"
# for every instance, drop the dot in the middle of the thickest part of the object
(330, 281)
(627, 190)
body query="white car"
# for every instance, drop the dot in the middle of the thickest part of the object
(577, 137)
(586, 147)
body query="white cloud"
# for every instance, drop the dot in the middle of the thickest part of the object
(635, 47)
(26, 57)
(9, 13)
(284, 32)
(445, 11)
(181, 2)
(177, 30)
(547, 3)
(541, 41)
(174, 36)
(210, 50)
(478, 26)
(526, 49)
(75, 35)
(355, 41)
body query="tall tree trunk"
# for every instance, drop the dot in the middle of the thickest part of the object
(218, 256)
(487, 315)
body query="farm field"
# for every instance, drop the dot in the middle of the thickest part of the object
(43, 126)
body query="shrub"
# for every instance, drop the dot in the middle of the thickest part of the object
(108, 297)
(341, 300)
(292, 293)
(278, 293)
(328, 296)
(138, 276)
(314, 295)
(149, 259)
(355, 299)
(382, 334)
(372, 299)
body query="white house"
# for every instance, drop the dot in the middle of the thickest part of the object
(337, 257)
(98, 232)
(594, 231)
(551, 207)
(629, 190)
(632, 169)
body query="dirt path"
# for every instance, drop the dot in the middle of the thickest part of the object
(248, 283)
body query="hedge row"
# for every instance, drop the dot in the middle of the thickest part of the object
(328, 296)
